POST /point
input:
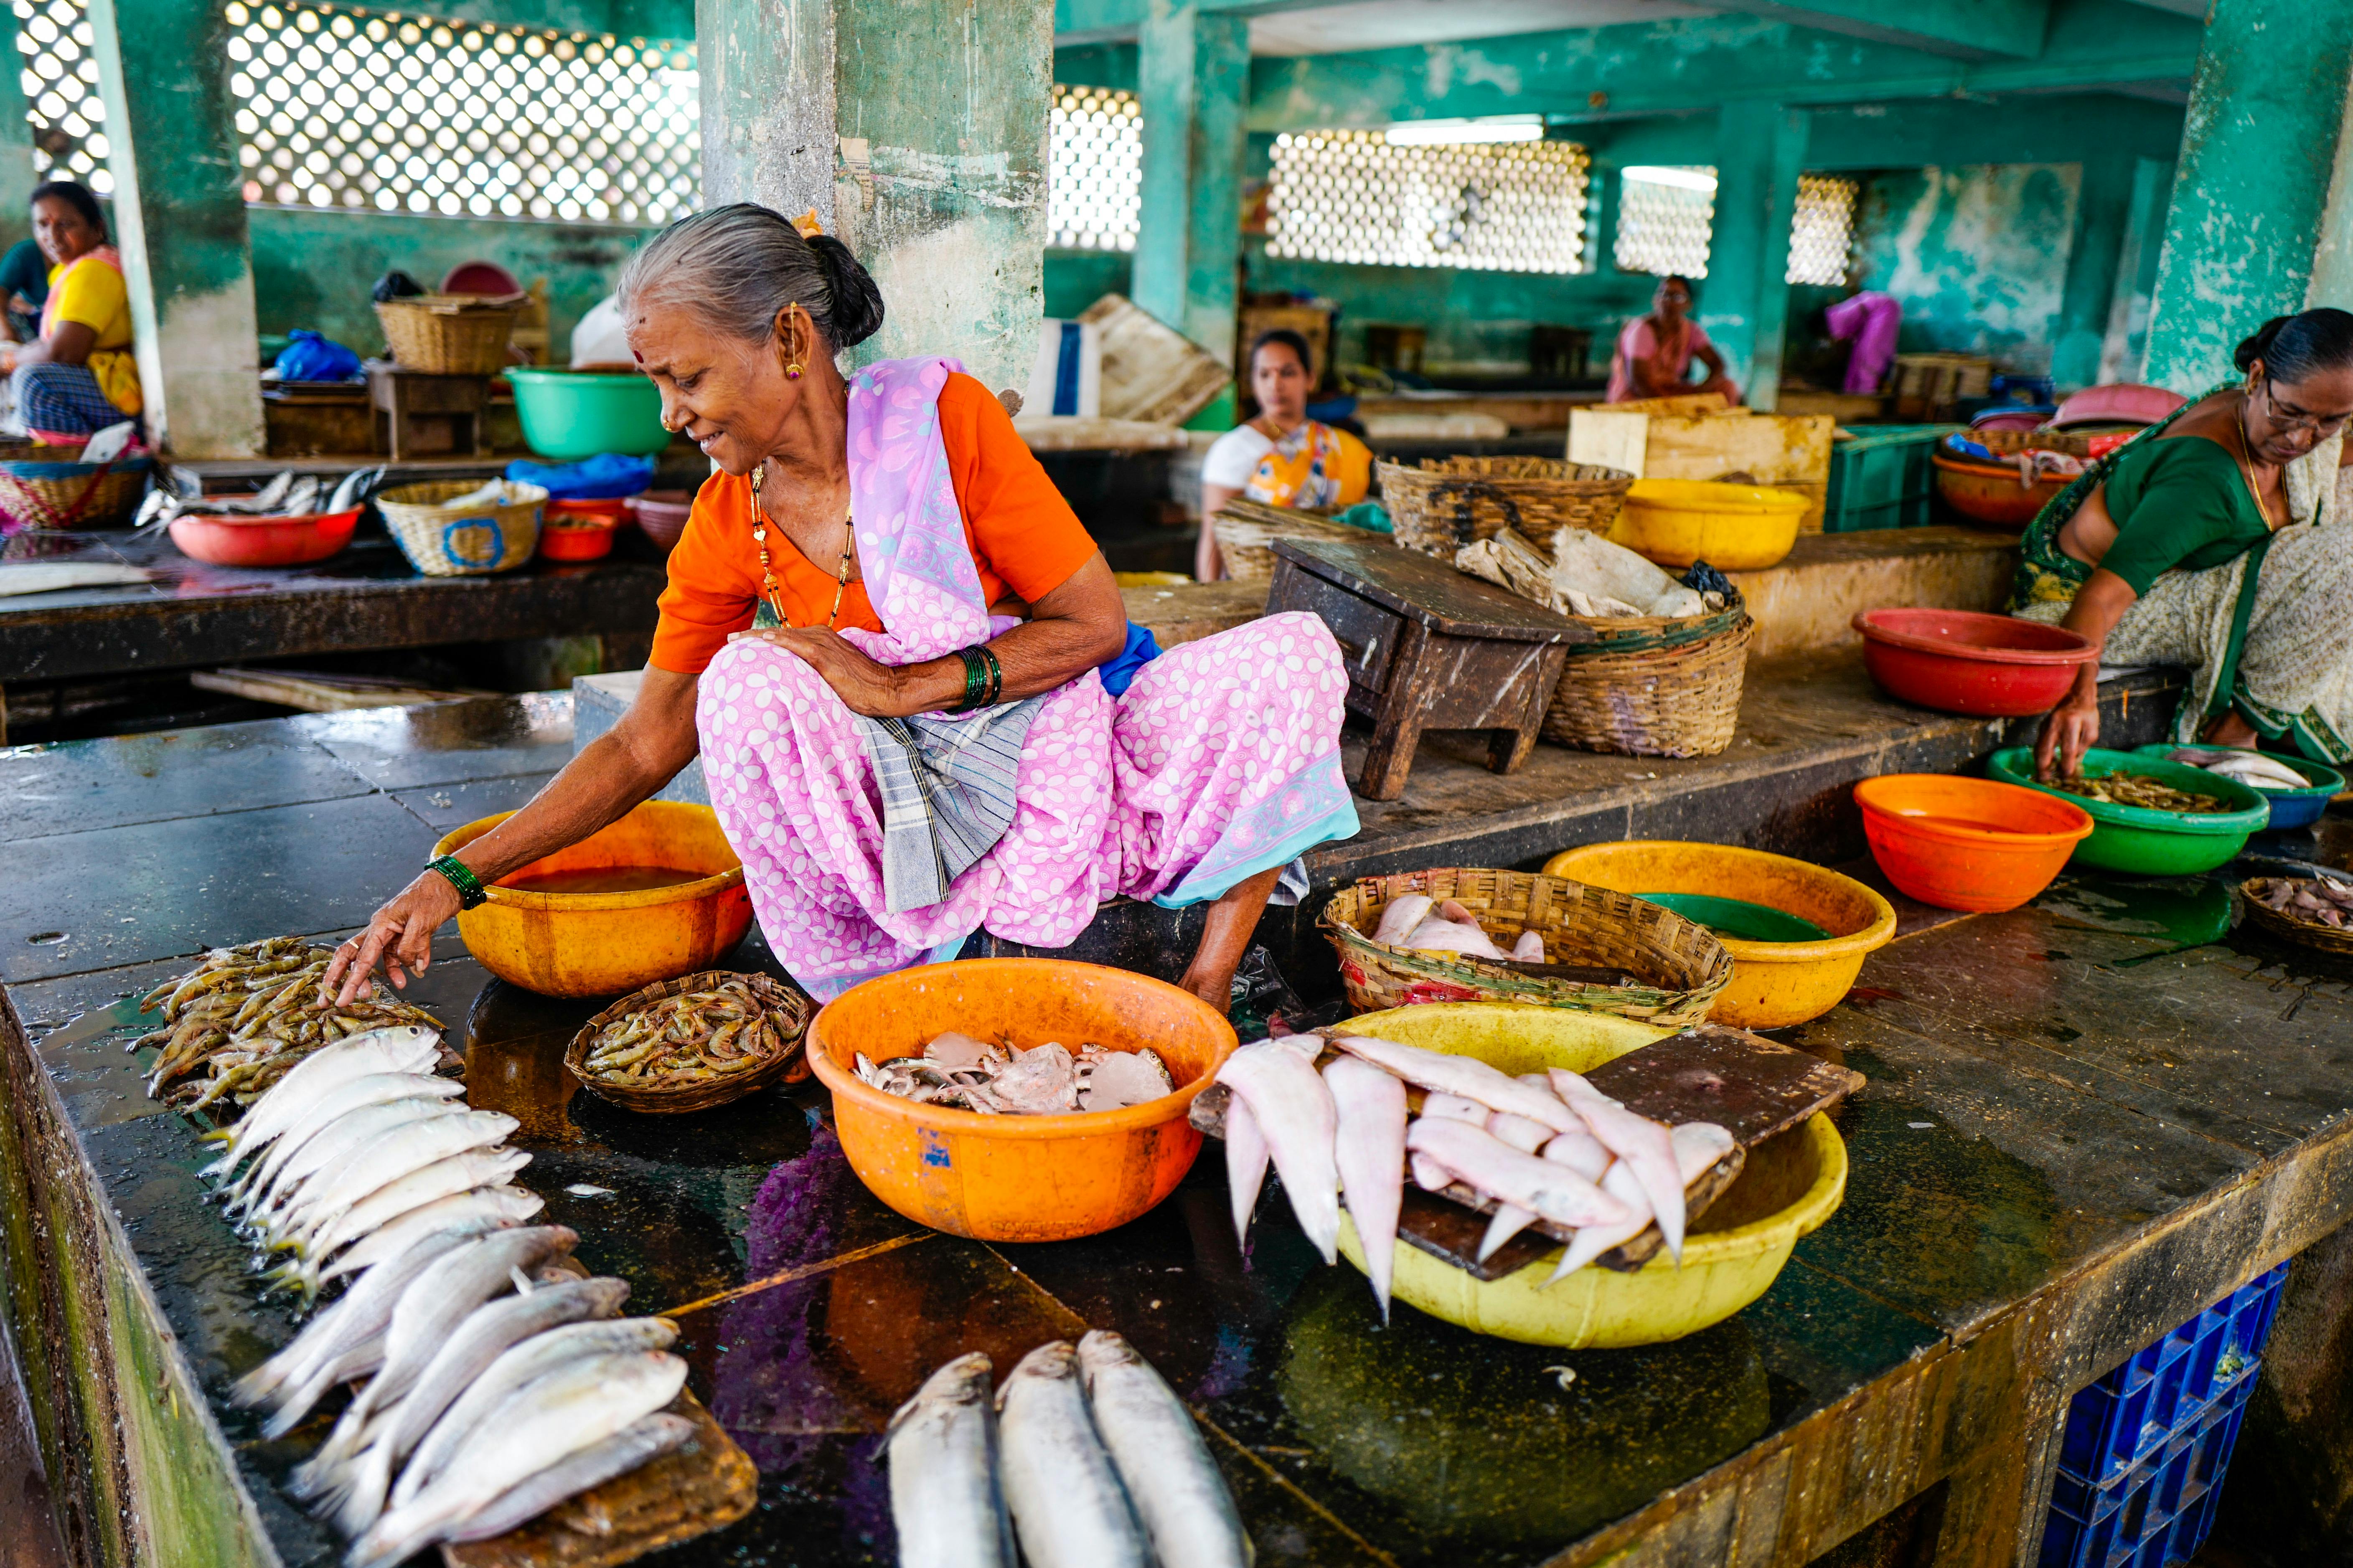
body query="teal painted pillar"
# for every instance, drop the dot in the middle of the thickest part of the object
(2126, 346)
(1193, 76)
(2103, 206)
(917, 131)
(179, 221)
(17, 178)
(2259, 147)
(1745, 303)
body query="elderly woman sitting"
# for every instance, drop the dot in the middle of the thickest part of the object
(79, 376)
(884, 628)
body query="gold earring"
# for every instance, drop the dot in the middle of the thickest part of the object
(791, 367)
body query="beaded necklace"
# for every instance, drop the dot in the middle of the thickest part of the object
(769, 586)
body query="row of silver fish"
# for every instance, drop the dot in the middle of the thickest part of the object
(1086, 1456)
(1541, 1146)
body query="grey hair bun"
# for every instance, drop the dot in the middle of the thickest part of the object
(856, 312)
(737, 267)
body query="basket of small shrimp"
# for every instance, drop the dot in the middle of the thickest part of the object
(1465, 934)
(692, 1043)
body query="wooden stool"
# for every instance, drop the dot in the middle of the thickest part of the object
(417, 415)
(1426, 647)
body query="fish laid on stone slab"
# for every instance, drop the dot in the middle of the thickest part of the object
(1069, 1507)
(359, 1094)
(942, 1451)
(632, 1447)
(385, 1160)
(326, 1156)
(358, 1318)
(459, 1172)
(1178, 1495)
(468, 1212)
(403, 1048)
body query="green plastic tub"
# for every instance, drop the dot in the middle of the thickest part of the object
(1739, 918)
(571, 415)
(2290, 807)
(2134, 838)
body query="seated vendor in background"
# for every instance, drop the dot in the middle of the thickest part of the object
(79, 376)
(1654, 352)
(2217, 540)
(24, 290)
(1281, 458)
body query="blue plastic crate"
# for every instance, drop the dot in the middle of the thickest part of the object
(2160, 1511)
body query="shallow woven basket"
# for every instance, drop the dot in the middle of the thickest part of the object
(446, 334)
(2272, 922)
(1682, 964)
(1449, 502)
(1635, 633)
(51, 487)
(1247, 531)
(1681, 701)
(460, 541)
(786, 1005)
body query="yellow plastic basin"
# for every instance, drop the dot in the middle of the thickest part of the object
(1734, 528)
(1733, 1253)
(601, 945)
(1773, 983)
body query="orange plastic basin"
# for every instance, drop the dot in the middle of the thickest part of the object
(1968, 844)
(1018, 1178)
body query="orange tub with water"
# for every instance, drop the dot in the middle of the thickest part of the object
(1018, 1178)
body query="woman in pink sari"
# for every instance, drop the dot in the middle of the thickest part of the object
(921, 711)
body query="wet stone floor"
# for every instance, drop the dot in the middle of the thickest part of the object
(2044, 1088)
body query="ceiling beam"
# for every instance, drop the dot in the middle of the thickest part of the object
(1116, 21)
(1965, 29)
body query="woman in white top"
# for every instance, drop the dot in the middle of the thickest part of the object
(1281, 458)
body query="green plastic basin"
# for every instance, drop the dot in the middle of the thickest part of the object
(2135, 838)
(570, 414)
(1739, 918)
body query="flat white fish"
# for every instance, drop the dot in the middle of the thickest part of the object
(1581, 1153)
(1178, 1495)
(632, 1447)
(1246, 1162)
(1402, 915)
(535, 1430)
(357, 1094)
(361, 1316)
(943, 1455)
(468, 1212)
(519, 1366)
(1294, 1110)
(475, 1168)
(1697, 1145)
(1068, 1505)
(1435, 935)
(1369, 1149)
(1455, 1108)
(1457, 912)
(1480, 1160)
(1465, 1076)
(388, 1160)
(1642, 1144)
(333, 1150)
(1428, 1174)
(1529, 949)
(403, 1048)
(1528, 1137)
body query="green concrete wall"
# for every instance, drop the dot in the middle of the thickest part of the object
(1977, 254)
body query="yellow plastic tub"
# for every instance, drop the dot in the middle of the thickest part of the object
(1734, 528)
(1732, 1254)
(1773, 983)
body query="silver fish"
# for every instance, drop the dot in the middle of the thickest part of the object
(1480, 1160)
(388, 1160)
(1246, 1162)
(522, 1364)
(402, 1049)
(1293, 1109)
(1068, 1505)
(345, 1342)
(1188, 1513)
(535, 1430)
(1368, 1147)
(357, 1494)
(1642, 1144)
(475, 1168)
(632, 1447)
(333, 1150)
(468, 1214)
(1465, 1076)
(943, 1452)
(358, 1094)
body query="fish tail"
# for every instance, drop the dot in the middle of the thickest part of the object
(361, 1502)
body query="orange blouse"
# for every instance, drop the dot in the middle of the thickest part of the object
(1023, 536)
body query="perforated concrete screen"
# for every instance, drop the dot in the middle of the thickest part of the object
(1821, 235)
(1095, 192)
(374, 110)
(1664, 219)
(1355, 197)
(61, 92)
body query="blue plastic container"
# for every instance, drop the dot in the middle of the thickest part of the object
(2146, 1447)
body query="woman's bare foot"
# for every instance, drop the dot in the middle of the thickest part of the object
(1210, 975)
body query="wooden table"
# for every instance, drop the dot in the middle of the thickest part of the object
(417, 412)
(1426, 647)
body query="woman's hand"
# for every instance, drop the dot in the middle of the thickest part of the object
(400, 934)
(876, 690)
(2068, 732)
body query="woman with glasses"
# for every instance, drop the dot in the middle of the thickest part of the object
(2216, 539)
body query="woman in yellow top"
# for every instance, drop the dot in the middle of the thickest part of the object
(1281, 458)
(79, 376)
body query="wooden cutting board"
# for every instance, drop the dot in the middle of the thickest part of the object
(1751, 1087)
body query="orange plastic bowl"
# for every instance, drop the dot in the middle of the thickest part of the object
(577, 540)
(1968, 844)
(1991, 495)
(1018, 1178)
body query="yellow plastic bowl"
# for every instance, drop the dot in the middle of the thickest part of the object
(601, 945)
(1734, 528)
(1733, 1253)
(1773, 983)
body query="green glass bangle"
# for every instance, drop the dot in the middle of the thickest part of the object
(469, 889)
(995, 678)
(976, 680)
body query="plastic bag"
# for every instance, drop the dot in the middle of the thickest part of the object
(314, 357)
(602, 478)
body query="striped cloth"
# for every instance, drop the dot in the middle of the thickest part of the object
(61, 404)
(947, 795)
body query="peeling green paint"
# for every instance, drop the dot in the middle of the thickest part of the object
(1978, 256)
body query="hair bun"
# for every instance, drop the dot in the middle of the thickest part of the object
(2258, 344)
(857, 312)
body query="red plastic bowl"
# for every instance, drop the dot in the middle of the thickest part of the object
(574, 539)
(662, 514)
(264, 541)
(1965, 661)
(1991, 495)
(1968, 844)
(2117, 401)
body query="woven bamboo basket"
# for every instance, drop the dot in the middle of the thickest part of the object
(1681, 701)
(1247, 531)
(1449, 502)
(447, 334)
(443, 540)
(51, 487)
(1679, 963)
(787, 1007)
(2272, 922)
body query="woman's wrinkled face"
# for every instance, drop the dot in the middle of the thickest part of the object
(2286, 419)
(1279, 381)
(61, 231)
(730, 397)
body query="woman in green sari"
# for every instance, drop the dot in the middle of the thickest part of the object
(2214, 540)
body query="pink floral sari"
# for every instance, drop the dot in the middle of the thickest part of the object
(1221, 761)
